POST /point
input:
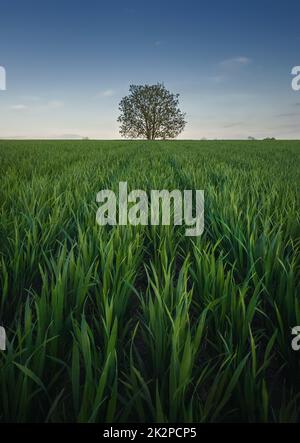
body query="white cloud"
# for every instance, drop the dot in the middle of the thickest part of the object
(218, 78)
(106, 93)
(235, 61)
(54, 104)
(228, 67)
(19, 107)
(31, 98)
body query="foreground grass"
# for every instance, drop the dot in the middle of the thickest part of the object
(143, 323)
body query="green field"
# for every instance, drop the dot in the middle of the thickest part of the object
(140, 323)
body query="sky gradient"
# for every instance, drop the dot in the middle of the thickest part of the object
(69, 63)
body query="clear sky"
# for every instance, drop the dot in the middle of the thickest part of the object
(69, 62)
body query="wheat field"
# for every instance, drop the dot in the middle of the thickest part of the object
(142, 323)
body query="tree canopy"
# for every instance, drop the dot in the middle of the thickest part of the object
(151, 112)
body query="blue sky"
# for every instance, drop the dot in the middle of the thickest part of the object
(68, 63)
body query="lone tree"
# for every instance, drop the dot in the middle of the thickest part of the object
(150, 111)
